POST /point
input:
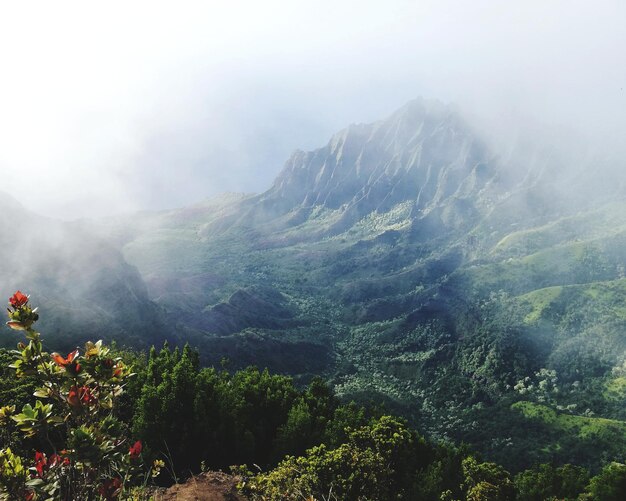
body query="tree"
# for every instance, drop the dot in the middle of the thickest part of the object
(545, 481)
(487, 481)
(609, 484)
(379, 461)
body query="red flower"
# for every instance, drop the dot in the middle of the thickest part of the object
(56, 460)
(83, 395)
(68, 363)
(40, 463)
(29, 496)
(72, 397)
(43, 463)
(135, 450)
(111, 488)
(86, 397)
(18, 300)
(112, 368)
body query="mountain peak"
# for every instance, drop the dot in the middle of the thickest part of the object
(423, 152)
(423, 107)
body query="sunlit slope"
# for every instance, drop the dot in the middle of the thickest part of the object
(583, 437)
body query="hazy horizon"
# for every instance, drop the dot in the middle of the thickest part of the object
(115, 108)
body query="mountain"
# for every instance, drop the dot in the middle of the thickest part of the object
(86, 288)
(478, 292)
(382, 210)
(423, 153)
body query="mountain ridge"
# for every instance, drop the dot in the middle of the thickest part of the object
(413, 262)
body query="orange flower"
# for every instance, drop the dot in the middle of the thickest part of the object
(68, 363)
(64, 362)
(18, 300)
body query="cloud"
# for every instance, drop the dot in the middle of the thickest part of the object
(128, 105)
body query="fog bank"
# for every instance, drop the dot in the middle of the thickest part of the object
(149, 105)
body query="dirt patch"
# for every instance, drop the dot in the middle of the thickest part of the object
(208, 486)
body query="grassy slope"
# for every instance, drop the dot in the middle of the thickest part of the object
(596, 436)
(607, 299)
(583, 427)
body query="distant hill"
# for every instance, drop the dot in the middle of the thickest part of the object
(69, 270)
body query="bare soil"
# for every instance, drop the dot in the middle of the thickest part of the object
(208, 486)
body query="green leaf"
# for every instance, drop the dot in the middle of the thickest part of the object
(42, 393)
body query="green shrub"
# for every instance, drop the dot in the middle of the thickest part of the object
(378, 461)
(88, 453)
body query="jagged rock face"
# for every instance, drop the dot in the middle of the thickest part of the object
(424, 159)
(424, 152)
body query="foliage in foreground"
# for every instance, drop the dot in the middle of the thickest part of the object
(82, 450)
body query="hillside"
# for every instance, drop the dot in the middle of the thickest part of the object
(407, 263)
(70, 270)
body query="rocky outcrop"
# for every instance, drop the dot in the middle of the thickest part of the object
(424, 153)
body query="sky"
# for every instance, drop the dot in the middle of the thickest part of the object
(112, 107)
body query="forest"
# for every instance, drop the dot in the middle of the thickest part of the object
(105, 422)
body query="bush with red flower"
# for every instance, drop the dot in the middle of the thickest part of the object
(88, 453)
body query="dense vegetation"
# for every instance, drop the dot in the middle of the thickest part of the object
(402, 263)
(303, 443)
